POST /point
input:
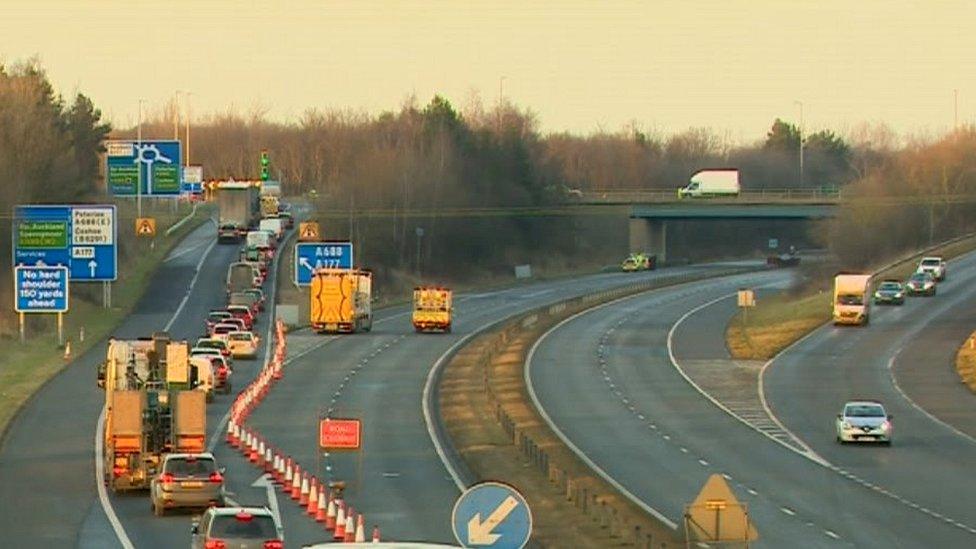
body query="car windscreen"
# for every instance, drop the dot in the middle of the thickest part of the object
(241, 336)
(183, 467)
(931, 262)
(216, 317)
(890, 286)
(232, 527)
(211, 344)
(224, 329)
(864, 410)
(921, 277)
(850, 299)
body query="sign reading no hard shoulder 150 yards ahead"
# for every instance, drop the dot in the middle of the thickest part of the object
(158, 161)
(41, 289)
(80, 237)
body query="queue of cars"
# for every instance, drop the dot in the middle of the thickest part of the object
(866, 420)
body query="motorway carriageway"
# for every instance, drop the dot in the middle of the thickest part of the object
(667, 438)
(47, 458)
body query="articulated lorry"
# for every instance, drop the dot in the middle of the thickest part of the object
(152, 408)
(432, 309)
(852, 303)
(714, 182)
(238, 205)
(341, 300)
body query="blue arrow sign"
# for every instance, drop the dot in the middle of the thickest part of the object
(310, 256)
(41, 289)
(492, 514)
(83, 238)
(156, 163)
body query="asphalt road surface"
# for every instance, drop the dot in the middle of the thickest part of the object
(607, 382)
(905, 359)
(47, 458)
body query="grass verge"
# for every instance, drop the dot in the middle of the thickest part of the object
(966, 362)
(776, 322)
(25, 367)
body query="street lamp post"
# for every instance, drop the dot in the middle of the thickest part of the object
(420, 235)
(800, 103)
(139, 162)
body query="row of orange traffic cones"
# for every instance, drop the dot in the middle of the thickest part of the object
(342, 521)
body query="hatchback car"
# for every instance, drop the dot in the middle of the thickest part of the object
(258, 294)
(890, 292)
(243, 312)
(243, 344)
(935, 266)
(222, 330)
(864, 420)
(218, 344)
(237, 528)
(921, 284)
(216, 317)
(186, 481)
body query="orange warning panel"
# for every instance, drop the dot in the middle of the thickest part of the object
(146, 226)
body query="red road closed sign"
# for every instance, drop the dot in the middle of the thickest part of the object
(340, 434)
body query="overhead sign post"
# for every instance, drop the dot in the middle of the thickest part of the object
(41, 289)
(82, 238)
(493, 515)
(156, 163)
(310, 256)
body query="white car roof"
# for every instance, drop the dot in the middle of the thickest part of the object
(204, 351)
(201, 455)
(863, 403)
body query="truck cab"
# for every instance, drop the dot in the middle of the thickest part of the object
(852, 303)
(432, 308)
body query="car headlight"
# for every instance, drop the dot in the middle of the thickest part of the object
(845, 426)
(899, 295)
(928, 285)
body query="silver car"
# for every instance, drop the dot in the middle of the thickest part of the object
(237, 528)
(186, 481)
(864, 420)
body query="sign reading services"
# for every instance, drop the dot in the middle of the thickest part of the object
(81, 237)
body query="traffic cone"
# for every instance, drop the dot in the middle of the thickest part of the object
(252, 456)
(282, 471)
(289, 473)
(321, 510)
(230, 432)
(268, 460)
(246, 447)
(275, 462)
(296, 485)
(330, 514)
(340, 523)
(313, 497)
(350, 533)
(376, 534)
(303, 495)
(261, 453)
(360, 529)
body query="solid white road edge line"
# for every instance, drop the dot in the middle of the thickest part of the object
(807, 452)
(527, 374)
(103, 498)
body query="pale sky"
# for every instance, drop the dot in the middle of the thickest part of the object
(581, 66)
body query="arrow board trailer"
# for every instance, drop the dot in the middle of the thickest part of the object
(82, 237)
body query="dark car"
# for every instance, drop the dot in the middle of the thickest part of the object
(890, 292)
(921, 284)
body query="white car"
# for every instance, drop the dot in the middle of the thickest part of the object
(243, 344)
(864, 420)
(935, 266)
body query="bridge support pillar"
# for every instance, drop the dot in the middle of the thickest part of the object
(649, 235)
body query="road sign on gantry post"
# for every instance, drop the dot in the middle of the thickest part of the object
(156, 163)
(82, 238)
(310, 256)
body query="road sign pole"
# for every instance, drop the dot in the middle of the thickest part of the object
(23, 332)
(60, 329)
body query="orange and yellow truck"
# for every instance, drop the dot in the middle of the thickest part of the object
(432, 309)
(341, 301)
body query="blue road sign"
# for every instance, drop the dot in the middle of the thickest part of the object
(83, 238)
(41, 289)
(318, 255)
(492, 514)
(158, 163)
